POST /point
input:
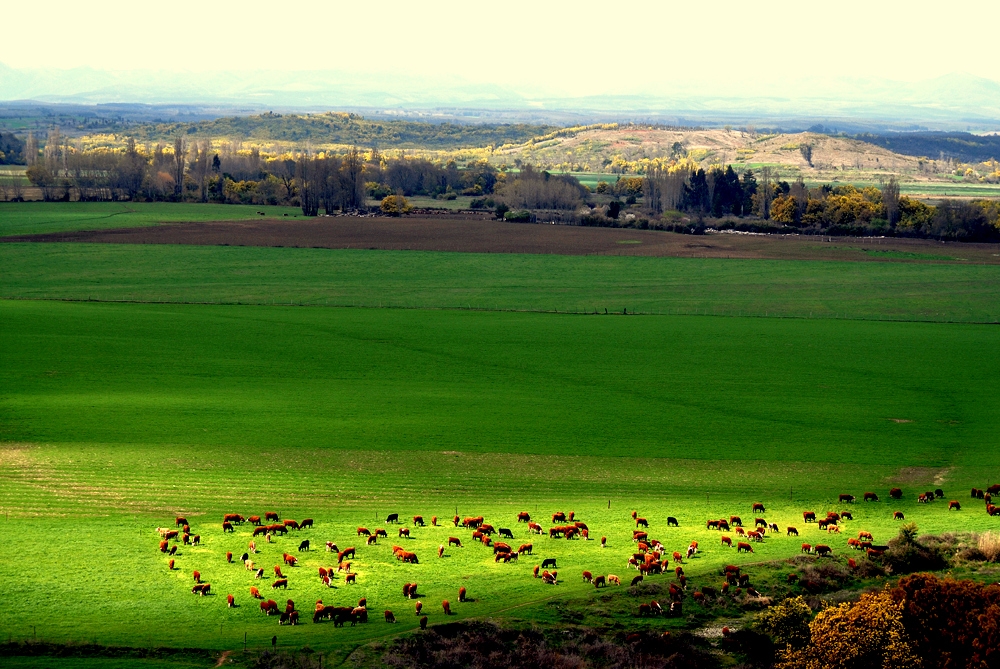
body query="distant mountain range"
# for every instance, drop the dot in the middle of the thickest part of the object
(952, 102)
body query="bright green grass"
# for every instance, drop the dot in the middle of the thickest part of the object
(818, 289)
(116, 417)
(29, 218)
(698, 387)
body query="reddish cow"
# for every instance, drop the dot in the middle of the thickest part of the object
(896, 493)
(277, 572)
(559, 517)
(230, 601)
(757, 506)
(271, 515)
(604, 542)
(851, 563)
(417, 607)
(280, 583)
(164, 546)
(524, 549)
(523, 517)
(365, 531)
(822, 549)
(170, 565)
(806, 548)
(641, 522)
(381, 533)
(404, 532)
(180, 520)
(600, 582)
(306, 522)
(614, 579)
(173, 550)
(418, 521)
(447, 607)
(898, 515)
(350, 578)
(847, 498)
(534, 572)
(255, 593)
(454, 541)
(227, 527)
(726, 541)
(455, 520)
(172, 534)
(434, 521)
(389, 616)
(953, 504)
(269, 607)
(292, 524)
(809, 516)
(423, 623)
(588, 577)
(871, 497)
(742, 547)
(371, 540)
(637, 580)
(791, 532)
(259, 530)
(197, 576)
(254, 520)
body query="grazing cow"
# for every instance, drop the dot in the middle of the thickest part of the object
(523, 517)
(164, 546)
(347, 552)
(638, 535)
(455, 521)
(755, 536)
(847, 498)
(600, 582)
(846, 515)
(559, 517)
(203, 589)
(678, 557)
(724, 525)
(759, 522)
(548, 562)
(255, 593)
(637, 580)
(186, 539)
(871, 497)
(173, 550)
(809, 516)
(672, 522)
(277, 572)
(259, 530)
(271, 515)
(534, 527)
(896, 493)
(922, 498)
(365, 531)
(524, 549)
(791, 532)
(434, 521)
(389, 616)
(418, 606)
(822, 549)
(304, 546)
(851, 563)
(977, 493)
(423, 623)
(254, 520)
(823, 523)
(726, 541)
(454, 541)
(291, 560)
(196, 540)
(485, 528)
(447, 607)
(418, 521)
(953, 504)
(280, 583)
(898, 515)
(371, 541)
(534, 572)
(350, 578)
(588, 577)
(392, 518)
(381, 533)
(440, 551)
(807, 548)
(306, 522)
(234, 518)
(331, 547)
(645, 610)
(230, 601)
(865, 535)
(269, 607)
(197, 576)
(505, 532)
(227, 527)
(994, 489)
(641, 522)
(171, 534)
(773, 527)
(180, 520)
(501, 547)
(170, 565)
(404, 532)
(292, 524)
(757, 506)
(854, 543)
(461, 594)
(410, 558)
(711, 524)
(873, 553)
(740, 532)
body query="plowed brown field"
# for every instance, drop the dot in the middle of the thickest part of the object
(479, 235)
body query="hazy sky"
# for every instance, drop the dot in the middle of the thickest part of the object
(559, 47)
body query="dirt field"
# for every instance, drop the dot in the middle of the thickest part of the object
(477, 235)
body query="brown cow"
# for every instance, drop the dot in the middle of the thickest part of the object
(180, 520)
(371, 541)
(600, 582)
(164, 546)
(255, 593)
(953, 504)
(292, 524)
(197, 576)
(271, 515)
(277, 572)
(254, 520)
(447, 607)
(418, 606)
(350, 578)
(306, 522)
(389, 616)
(171, 534)
(440, 551)
(822, 549)
(347, 552)
(898, 515)
(871, 497)
(423, 623)
(404, 532)
(173, 550)
(230, 601)
(227, 527)
(365, 531)
(454, 541)
(280, 583)
(641, 522)
(742, 547)
(809, 516)
(523, 517)
(637, 580)
(614, 579)
(170, 565)
(757, 506)
(559, 517)
(726, 541)
(847, 498)
(418, 521)
(455, 521)
(269, 607)
(588, 577)
(380, 532)
(791, 532)
(259, 530)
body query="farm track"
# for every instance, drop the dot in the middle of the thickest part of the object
(479, 235)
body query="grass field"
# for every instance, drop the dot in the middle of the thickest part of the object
(115, 417)
(20, 218)
(255, 275)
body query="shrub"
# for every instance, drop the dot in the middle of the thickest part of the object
(955, 622)
(787, 622)
(989, 545)
(868, 633)
(394, 205)
(906, 554)
(522, 216)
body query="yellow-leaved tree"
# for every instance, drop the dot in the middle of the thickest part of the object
(867, 634)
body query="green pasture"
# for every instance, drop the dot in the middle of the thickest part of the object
(931, 291)
(548, 384)
(30, 218)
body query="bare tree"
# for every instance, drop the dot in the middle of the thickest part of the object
(179, 166)
(890, 200)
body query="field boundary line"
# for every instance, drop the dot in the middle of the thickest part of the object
(220, 303)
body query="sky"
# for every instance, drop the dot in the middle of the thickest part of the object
(539, 46)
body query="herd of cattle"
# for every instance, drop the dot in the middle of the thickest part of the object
(650, 557)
